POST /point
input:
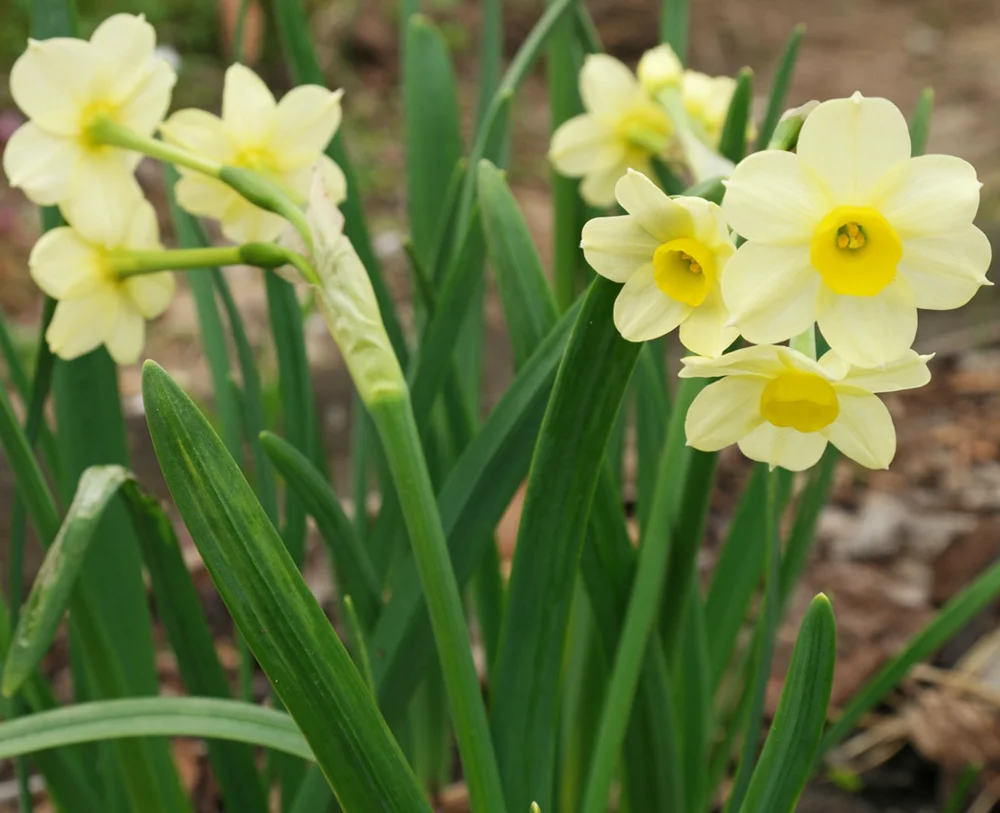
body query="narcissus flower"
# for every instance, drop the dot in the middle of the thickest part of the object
(623, 128)
(706, 100)
(77, 267)
(66, 85)
(284, 141)
(782, 407)
(670, 253)
(852, 233)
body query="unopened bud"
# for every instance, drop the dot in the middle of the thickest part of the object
(786, 134)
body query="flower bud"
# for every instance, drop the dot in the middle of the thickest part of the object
(786, 134)
(659, 68)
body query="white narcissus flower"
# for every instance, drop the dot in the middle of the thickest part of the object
(75, 266)
(284, 141)
(63, 86)
(706, 101)
(782, 407)
(852, 233)
(670, 253)
(623, 128)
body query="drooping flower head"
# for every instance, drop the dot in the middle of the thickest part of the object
(76, 266)
(670, 253)
(284, 141)
(623, 128)
(852, 233)
(782, 407)
(64, 86)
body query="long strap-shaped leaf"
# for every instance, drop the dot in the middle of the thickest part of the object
(281, 620)
(567, 461)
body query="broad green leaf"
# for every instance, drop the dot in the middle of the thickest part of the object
(652, 414)
(490, 56)
(585, 400)
(779, 87)
(790, 748)
(733, 141)
(284, 626)
(920, 124)
(153, 717)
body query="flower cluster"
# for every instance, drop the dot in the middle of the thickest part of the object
(848, 234)
(93, 108)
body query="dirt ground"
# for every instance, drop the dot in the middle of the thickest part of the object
(893, 546)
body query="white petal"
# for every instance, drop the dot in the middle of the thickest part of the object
(242, 222)
(126, 335)
(869, 331)
(598, 185)
(145, 108)
(102, 198)
(151, 293)
(204, 196)
(53, 81)
(771, 291)
(78, 325)
(308, 116)
(773, 197)
(863, 430)
(850, 143)
(616, 247)
(248, 107)
(62, 263)
(201, 132)
(710, 226)
(658, 214)
(125, 42)
(581, 145)
(764, 360)
(607, 86)
(298, 183)
(783, 446)
(928, 195)
(907, 372)
(143, 232)
(723, 413)
(705, 331)
(946, 270)
(643, 311)
(39, 163)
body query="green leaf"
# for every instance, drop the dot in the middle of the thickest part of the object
(786, 762)
(585, 400)
(151, 717)
(490, 56)
(431, 126)
(525, 295)
(284, 626)
(958, 612)
(674, 25)
(920, 124)
(733, 141)
(779, 87)
(355, 571)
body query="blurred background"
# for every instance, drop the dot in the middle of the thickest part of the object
(892, 547)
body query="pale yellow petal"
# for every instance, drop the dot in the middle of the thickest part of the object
(64, 264)
(907, 372)
(126, 43)
(664, 218)
(616, 247)
(299, 183)
(851, 143)
(869, 331)
(643, 311)
(242, 222)
(248, 107)
(784, 447)
(308, 116)
(143, 231)
(40, 163)
(581, 145)
(863, 430)
(724, 413)
(78, 325)
(771, 291)
(125, 335)
(773, 197)
(659, 68)
(201, 132)
(102, 198)
(762, 361)
(204, 196)
(928, 195)
(150, 294)
(705, 331)
(598, 186)
(607, 86)
(53, 81)
(146, 106)
(946, 270)
(710, 226)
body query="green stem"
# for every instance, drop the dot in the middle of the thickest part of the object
(262, 255)
(105, 131)
(393, 417)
